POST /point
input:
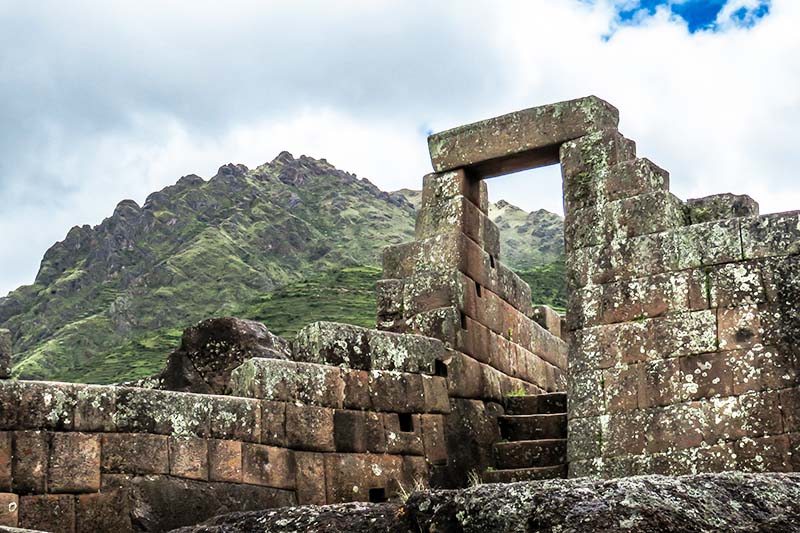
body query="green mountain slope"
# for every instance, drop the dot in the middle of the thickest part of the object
(287, 243)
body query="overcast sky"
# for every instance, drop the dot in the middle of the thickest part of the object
(104, 100)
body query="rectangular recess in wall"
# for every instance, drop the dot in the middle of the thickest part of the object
(406, 422)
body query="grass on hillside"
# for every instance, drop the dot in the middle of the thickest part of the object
(346, 295)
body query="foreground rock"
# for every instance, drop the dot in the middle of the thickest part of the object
(349, 517)
(731, 502)
(210, 350)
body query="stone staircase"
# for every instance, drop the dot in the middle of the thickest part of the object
(534, 439)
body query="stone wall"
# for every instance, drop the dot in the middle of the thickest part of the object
(682, 316)
(104, 458)
(685, 323)
(450, 284)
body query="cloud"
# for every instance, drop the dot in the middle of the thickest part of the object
(105, 100)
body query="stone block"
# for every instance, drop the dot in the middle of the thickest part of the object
(310, 478)
(358, 477)
(404, 353)
(738, 327)
(225, 461)
(188, 457)
(771, 235)
(9, 404)
(586, 394)
(585, 438)
(445, 253)
(781, 279)
(675, 427)
(45, 405)
(103, 511)
(442, 324)
(465, 377)
(706, 244)
(764, 454)
(599, 183)
(74, 463)
(621, 387)
(135, 453)
(736, 284)
(376, 432)
(5, 354)
(289, 381)
(633, 177)
(586, 164)
(721, 207)
(333, 344)
(645, 214)
(434, 439)
(9, 510)
(646, 340)
(162, 412)
(273, 423)
(269, 466)
(396, 391)
(399, 260)
(235, 418)
(356, 389)
(626, 432)
(434, 389)
(725, 417)
(310, 428)
(660, 383)
(95, 408)
(389, 300)
(350, 431)
(706, 375)
(790, 409)
(48, 512)
(440, 215)
(761, 413)
(548, 318)
(763, 367)
(403, 434)
(520, 140)
(29, 462)
(638, 299)
(446, 185)
(6, 452)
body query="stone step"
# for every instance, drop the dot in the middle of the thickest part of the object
(530, 453)
(538, 404)
(525, 474)
(533, 427)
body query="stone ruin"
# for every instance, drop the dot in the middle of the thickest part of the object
(678, 354)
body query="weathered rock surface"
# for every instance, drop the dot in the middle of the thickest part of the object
(210, 350)
(350, 517)
(731, 502)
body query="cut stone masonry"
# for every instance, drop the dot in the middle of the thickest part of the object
(678, 354)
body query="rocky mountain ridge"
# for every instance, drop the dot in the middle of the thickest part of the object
(198, 248)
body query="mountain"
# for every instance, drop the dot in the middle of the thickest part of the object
(289, 242)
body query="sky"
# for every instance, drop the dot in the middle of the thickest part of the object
(104, 100)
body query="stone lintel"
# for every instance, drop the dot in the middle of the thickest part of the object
(517, 141)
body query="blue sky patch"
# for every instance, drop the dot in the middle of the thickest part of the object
(700, 15)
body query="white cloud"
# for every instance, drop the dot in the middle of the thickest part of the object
(110, 100)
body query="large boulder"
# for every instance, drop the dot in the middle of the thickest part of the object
(730, 501)
(349, 517)
(210, 350)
